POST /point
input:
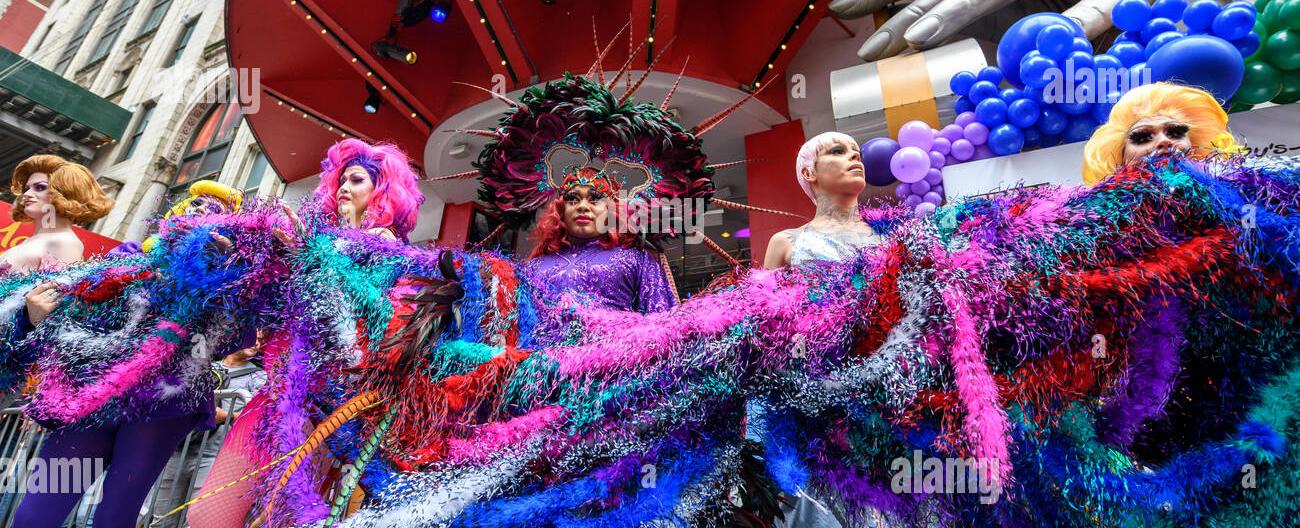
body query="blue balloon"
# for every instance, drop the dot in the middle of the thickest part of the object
(1035, 71)
(1022, 37)
(1130, 15)
(1054, 42)
(1033, 94)
(1248, 44)
(1052, 122)
(1101, 110)
(1107, 63)
(982, 90)
(1024, 113)
(1011, 94)
(1160, 41)
(963, 105)
(1139, 74)
(1128, 53)
(1210, 63)
(1134, 36)
(961, 83)
(1246, 4)
(991, 74)
(1049, 141)
(1233, 23)
(1171, 9)
(1080, 129)
(1006, 139)
(1157, 26)
(1200, 15)
(992, 112)
(1082, 44)
(1078, 60)
(1032, 137)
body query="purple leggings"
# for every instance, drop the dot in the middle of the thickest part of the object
(134, 454)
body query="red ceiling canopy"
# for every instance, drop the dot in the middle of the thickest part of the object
(316, 58)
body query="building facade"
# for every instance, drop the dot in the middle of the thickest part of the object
(165, 62)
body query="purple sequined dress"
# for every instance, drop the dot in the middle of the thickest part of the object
(617, 279)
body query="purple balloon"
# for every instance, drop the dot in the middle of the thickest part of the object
(964, 118)
(983, 152)
(912, 200)
(876, 154)
(963, 149)
(921, 187)
(903, 190)
(949, 160)
(932, 198)
(936, 160)
(951, 132)
(942, 145)
(916, 134)
(937, 189)
(976, 133)
(924, 209)
(934, 177)
(910, 164)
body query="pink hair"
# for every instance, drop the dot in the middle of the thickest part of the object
(807, 158)
(395, 203)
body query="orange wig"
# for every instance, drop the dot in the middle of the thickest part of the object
(74, 193)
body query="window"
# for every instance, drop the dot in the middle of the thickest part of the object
(146, 112)
(114, 29)
(119, 82)
(78, 35)
(181, 42)
(255, 174)
(210, 145)
(155, 16)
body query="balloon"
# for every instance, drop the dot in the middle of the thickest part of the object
(982, 90)
(920, 187)
(1011, 94)
(1082, 44)
(1101, 110)
(1170, 9)
(963, 105)
(1006, 139)
(1107, 63)
(951, 133)
(937, 189)
(903, 190)
(1288, 15)
(912, 200)
(916, 134)
(1200, 15)
(1238, 107)
(1272, 17)
(1078, 105)
(932, 198)
(1032, 137)
(1134, 36)
(1130, 15)
(1023, 113)
(1248, 4)
(1248, 44)
(961, 83)
(1052, 122)
(909, 164)
(976, 133)
(1160, 40)
(964, 118)
(1080, 60)
(1200, 60)
(1261, 83)
(1054, 42)
(923, 209)
(1022, 37)
(991, 112)
(1033, 94)
(1290, 88)
(876, 155)
(1157, 26)
(983, 152)
(1282, 49)
(962, 149)
(1233, 23)
(942, 145)
(991, 74)
(1139, 74)
(936, 160)
(1128, 53)
(1080, 129)
(934, 177)
(1034, 70)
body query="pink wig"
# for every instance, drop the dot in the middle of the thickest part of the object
(807, 159)
(395, 203)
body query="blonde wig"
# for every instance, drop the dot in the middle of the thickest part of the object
(74, 193)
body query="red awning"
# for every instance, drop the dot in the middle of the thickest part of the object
(313, 89)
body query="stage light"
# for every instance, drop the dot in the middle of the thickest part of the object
(393, 51)
(440, 11)
(372, 100)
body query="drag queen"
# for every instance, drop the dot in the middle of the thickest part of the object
(43, 182)
(1160, 116)
(830, 170)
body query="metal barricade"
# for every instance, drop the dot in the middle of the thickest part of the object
(21, 439)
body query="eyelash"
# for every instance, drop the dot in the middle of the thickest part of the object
(1142, 137)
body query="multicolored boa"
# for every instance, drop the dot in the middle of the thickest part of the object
(1123, 355)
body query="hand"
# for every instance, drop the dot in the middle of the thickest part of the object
(221, 243)
(288, 240)
(42, 300)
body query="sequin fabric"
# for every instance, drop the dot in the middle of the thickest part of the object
(617, 279)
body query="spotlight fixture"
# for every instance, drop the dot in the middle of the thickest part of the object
(439, 11)
(372, 100)
(393, 51)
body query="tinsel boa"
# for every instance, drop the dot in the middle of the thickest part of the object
(1121, 355)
